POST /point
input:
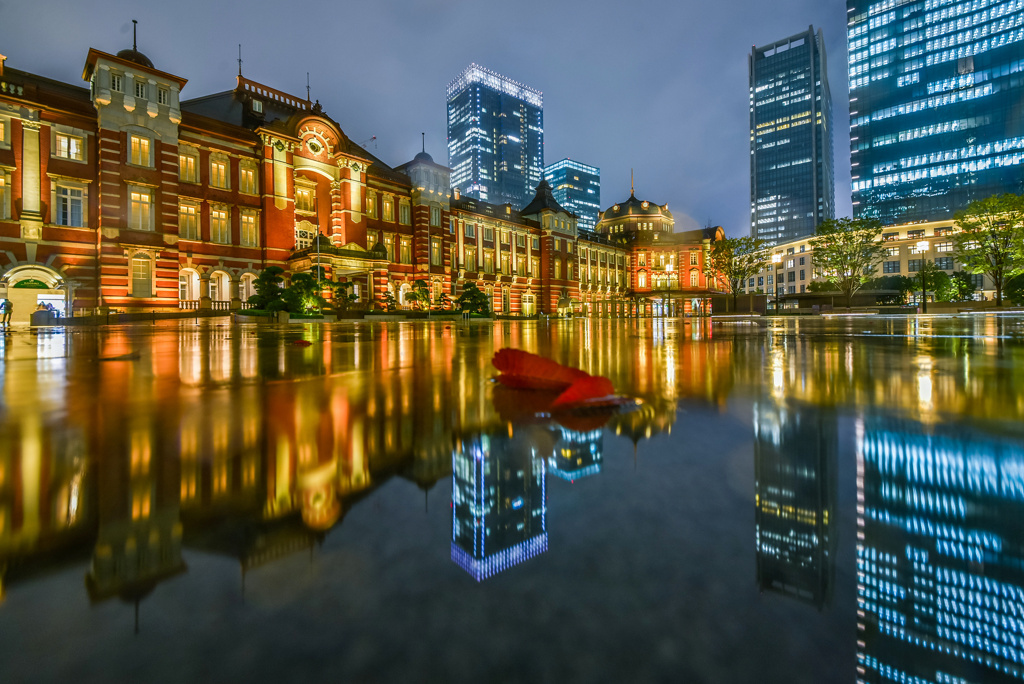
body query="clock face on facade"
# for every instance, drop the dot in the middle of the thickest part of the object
(314, 146)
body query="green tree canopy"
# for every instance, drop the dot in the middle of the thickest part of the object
(846, 252)
(268, 289)
(733, 261)
(990, 239)
(303, 294)
(474, 300)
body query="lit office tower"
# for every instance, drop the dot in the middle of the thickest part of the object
(935, 115)
(940, 552)
(577, 187)
(795, 453)
(499, 507)
(495, 137)
(791, 181)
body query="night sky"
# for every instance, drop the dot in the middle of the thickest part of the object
(660, 87)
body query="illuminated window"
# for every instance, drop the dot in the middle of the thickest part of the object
(188, 221)
(389, 245)
(4, 183)
(70, 206)
(220, 230)
(219, 172)
(435, 216)
(505, 269)
(140, 216)
(247, 179)
(142, 276)
(488, 261)
(139, 148)
(248, 228)
(693, 279)
(188, 166)
(404, 214)
(558, 269)
(534, 267)
(405, 245)
(471, 258)
(305, 200)
(435, 251)
(944, 247)
(371, 204)
(388, 206)
(641, 280)
(68, 147)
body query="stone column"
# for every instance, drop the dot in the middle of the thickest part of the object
(204, 292)
(31, 214)
(236, 297)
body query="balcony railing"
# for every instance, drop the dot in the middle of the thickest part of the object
(188, 304)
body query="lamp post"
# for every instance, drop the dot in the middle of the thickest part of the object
(777, 261)
(922, 247)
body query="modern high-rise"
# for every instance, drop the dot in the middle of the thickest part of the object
(495, 137)
(935, 115)
(577, 187)
(791, 179)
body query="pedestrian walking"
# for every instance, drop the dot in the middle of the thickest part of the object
(8, 309)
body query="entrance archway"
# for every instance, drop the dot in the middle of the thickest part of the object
(27, 286)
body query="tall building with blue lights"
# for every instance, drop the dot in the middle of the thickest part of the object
(495, 137)
(791, 179)
(935, 116)
(499, 511)
(577, 187)
(940, 553)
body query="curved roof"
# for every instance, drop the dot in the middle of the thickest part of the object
(133, 55)
(543, 199)
(635, 207)
(423, 156)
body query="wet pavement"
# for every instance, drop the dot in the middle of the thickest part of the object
(800, 500)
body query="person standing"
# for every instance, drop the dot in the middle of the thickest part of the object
(8, 309)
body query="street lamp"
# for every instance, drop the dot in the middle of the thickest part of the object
(922, 247)
(776, 260)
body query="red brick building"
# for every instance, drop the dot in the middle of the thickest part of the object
(123, 196)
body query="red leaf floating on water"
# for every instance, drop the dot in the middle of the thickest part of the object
(584, 389)
(301, 343)
(524, 370)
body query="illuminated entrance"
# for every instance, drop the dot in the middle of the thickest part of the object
(26, 287)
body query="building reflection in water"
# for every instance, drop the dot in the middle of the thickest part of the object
(578, 454)
(940, 553)
(795, 453)
(499, 506)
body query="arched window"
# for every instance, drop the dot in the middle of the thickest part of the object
(188, 285)
(641, 279)
(247, 287)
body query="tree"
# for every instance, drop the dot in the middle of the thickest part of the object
(902, 285)
(444, 301)
(1014, 290)
(734, 261)
(303, 294)
(990, 239)
(342, 295)
(473, 300)
(846, 252)
(929, 277)
(958, 288)
(390, 303)
(420, 294)
(268, 289)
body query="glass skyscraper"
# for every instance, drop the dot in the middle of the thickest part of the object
(935, 114)
(495, 137)
(791, 181)
(577, 187)
(940, 553)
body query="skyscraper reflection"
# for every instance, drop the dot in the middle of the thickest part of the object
(795, 451)
(577, 454)
(940, 553)
(499, 507)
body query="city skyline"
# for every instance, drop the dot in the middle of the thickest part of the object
(682, 134)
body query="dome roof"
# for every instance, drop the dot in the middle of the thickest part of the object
(635, 207)
(423, 157)
(133, 55)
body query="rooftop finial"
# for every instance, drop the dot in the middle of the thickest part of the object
(423, 136)
(135, 43)
(632, 192)
(307, 86)
(239, 59)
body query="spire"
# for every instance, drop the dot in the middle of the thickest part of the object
(632, 192)
(307, 86)
(135, 43)
(239, 59)
(423, 138)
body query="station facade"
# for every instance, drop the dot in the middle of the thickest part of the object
(121, 196)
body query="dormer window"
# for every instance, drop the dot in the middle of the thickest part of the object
(257, 106)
